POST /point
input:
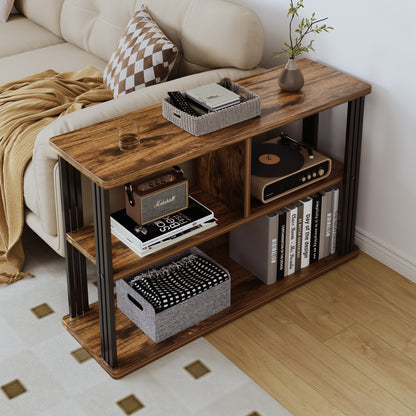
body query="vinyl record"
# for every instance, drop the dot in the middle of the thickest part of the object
(274, 160)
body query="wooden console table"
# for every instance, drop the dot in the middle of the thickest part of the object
(222, 165)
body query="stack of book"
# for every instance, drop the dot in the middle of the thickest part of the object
(287, 240)
(213, 97)
(154, 236)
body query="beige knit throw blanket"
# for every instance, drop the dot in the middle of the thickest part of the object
(27, 105)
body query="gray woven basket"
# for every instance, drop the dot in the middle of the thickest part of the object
(168, 322)
(249, 107)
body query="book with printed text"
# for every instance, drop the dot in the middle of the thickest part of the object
(306, 231)
(144, 236)
(334, 220)
(168, 241)
(291, 241)
(315, 227)
(299, 232)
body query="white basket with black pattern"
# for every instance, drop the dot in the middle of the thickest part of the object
(174, 294)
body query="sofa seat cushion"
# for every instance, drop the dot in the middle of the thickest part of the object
(20, 34)
(6, 7)
(63, 57)
(30, 191)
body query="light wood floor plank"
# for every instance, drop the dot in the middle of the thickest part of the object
(340, 383)
(382, 363)
(384, 281)
(350, 296)
(398, 331)
(312, 313)
(271, 374)
(360, 370)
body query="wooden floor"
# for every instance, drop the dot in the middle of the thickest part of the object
(343, 344)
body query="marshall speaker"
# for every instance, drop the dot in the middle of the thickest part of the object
(155, 197)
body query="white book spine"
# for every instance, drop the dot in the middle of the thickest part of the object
(162, 244)
(114, 225)
(132, 246)
(292, 239)
(334, 220)
(306, 232)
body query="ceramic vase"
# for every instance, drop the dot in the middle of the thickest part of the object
(291, 78)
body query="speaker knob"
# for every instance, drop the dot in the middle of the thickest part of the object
(309, 177)
(321, 172)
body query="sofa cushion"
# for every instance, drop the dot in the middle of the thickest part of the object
(61, 58)
(6, 7)
(144, 56)
(30, 191)
(96, 26)
(237, 40)
(24, 35)
(46, 13)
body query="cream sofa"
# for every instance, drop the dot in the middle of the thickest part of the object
(215, 38)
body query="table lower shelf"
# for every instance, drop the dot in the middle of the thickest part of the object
(135, 349)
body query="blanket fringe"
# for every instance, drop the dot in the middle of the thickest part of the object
(7, 278)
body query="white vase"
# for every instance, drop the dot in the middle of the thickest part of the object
(291, 78)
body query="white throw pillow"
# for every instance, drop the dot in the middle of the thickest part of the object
(5, 9)
(144, 56)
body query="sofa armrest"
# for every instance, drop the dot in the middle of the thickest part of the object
(45, 158)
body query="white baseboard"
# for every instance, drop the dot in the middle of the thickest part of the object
(386, 254)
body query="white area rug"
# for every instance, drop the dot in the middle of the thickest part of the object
(44, 371)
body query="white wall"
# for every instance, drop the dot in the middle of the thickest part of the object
(373, 41)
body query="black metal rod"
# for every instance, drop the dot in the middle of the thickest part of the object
(105, 280)
(358, 131)
(81, 261)
(76, 272)
(310, 130)
(352, 155)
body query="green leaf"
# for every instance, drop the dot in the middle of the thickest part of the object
(306, 26)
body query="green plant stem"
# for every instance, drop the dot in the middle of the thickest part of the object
(308, 30)
(290, 30)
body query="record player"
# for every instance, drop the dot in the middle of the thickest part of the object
(279, 167)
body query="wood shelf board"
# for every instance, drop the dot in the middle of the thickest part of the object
(126, 262)
(324, 88)
(135, 349)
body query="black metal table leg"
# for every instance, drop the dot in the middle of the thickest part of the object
(310, 130)
(72, 217)
(105, 274)
(351, 171)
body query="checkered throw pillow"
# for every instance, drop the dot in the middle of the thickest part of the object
(144, 56)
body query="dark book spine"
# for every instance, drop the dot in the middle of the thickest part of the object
(281, 245)
(315, 227)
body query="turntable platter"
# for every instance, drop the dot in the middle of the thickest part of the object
(274, 160)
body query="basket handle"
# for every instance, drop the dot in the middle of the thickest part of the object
(134, 301)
